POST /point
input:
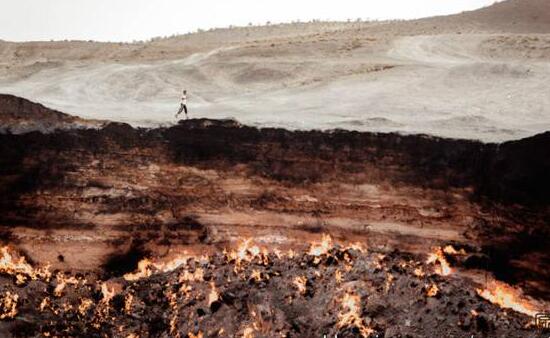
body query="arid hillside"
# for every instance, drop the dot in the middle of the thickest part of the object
(515, 16)
(18, 115)
(475, 75)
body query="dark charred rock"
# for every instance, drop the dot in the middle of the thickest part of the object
(477, 261)
(482, 324)
(228, 298)
(127, 261)
(518, 171)
(155, 306)
(215, 306)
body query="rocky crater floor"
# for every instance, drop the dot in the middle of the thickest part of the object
(329, 290)
(212, 228)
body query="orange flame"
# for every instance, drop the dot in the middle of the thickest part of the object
(432, 291)
(186, 276)
(321, 248)
(45, 303)
(248, 332)
(128, 300)
(247, 252)
(108, 293)
(450, 250)
(13, 264)
(214, 295)
(62, 282)
(85, 304)
(389, 281)
(444, 268)
(146, 267)
(358, 246)
(338, 276)
(300, 283)
(351, 315)
(8, 302)
(256, 275)
(173, 299)
(418, 272)
(507, 297)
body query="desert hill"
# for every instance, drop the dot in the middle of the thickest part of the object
(517, 16)
(18, 115)
(474, 75)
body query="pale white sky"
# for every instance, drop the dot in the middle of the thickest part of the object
(126, 20)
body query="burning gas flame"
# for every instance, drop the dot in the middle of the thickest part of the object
(248, 332)
(108, 293)
(507, 297)
(173, 300)
(444, 268)
(63, 281)
(432, 291)
(15, 265)
(359, 247)
(389, 282)
(214, 295)
(300, 283)
(450, 250)
(128, 301)
(321, 248)
(256, 275)
(291, 254)
(350, 316)
(247, 252)
(45, 303)
(186, 276)
(8, 304)
(85, 304)
(338, 276)
(146, 267)
(418, 272)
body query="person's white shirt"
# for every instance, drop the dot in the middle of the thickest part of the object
(184, 99)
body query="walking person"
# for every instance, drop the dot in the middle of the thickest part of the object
(183, 106)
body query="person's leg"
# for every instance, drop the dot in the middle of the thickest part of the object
(185, 108)
(180, 110)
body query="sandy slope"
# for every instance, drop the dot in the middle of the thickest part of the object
(488, 83)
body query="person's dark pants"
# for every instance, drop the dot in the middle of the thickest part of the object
(183, 107)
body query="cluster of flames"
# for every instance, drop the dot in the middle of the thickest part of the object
(15, 265)
(508, 297)
(147, 267)
(499, 293)
(11, 263)
(246, 252)
(350, 316)
(8, 302)
(321, 248)
(437, 257)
